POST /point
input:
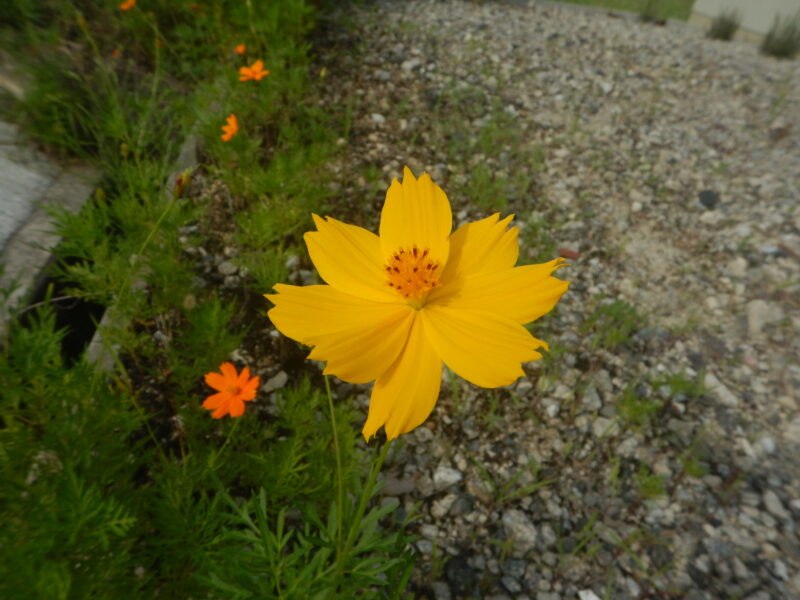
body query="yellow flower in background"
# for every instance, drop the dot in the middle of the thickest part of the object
(399, 304)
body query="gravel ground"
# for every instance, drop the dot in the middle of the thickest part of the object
(654, 454)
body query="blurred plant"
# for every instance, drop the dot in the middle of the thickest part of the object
(783, 38)
(649, 11)
(724, 26)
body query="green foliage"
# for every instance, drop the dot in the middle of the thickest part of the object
(650, 11)
(508, 181)
(120, 485)
(636, 411)
(649, 484)
(680, 384)
(664, 9)
(613, 324)
(783, 38)
(262, 557)
(724, 25)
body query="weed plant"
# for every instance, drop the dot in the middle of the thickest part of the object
(120, 485)
(725, 25)
(783, 38)
(667, 9)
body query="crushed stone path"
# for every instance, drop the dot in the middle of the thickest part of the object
(660, 464)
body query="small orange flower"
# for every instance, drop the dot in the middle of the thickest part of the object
(240, 49)
(230, 129)
(116, 53)
(127, 5)
(255, 71)
(233, 391)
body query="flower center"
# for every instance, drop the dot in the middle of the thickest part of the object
(412, 273)
(233, 389)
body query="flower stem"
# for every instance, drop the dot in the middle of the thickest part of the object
(339, 482)
(219, 452)
(366, 494)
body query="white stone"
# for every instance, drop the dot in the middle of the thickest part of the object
(275, 382)
(444, 477)
(719, 391)
(519, 529)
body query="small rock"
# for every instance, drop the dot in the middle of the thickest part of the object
(547, 536)
(779, 569)
(591, 399)
(774, 505)
(511, 584)
(568, 253)
(226, 267)
(411, 64)
(441, 591)
(444, 477)
(524, 387)
(761, 313)
(460, 576)
(602, 427)
(377, 118)
(717, 389)
(738, 266)
(442, 506)
(709, 198)
(519, 529)
(587, 595)
(392, 486)
(606, 86)
(463, 504)
(275, 382)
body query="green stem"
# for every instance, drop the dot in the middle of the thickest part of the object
(366, 494)
(340, 483)
(219, 452)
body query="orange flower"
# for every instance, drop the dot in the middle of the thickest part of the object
(240, 49)
(230, 129)
(256, 71)
(127, 5)
(116, 53)
(233, 391)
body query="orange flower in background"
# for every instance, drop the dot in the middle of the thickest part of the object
(127, 5)
(116, 53)
(255, 71)
(233, 390)
(399, 305)
(230, 129)
(240, 49)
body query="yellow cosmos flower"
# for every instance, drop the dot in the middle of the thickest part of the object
(400, 303)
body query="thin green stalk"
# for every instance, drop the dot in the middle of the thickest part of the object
(366, 494)
(213, 460)
(339, 482)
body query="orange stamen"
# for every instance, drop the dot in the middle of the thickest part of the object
(412, 273)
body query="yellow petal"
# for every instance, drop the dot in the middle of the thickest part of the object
(416, 213)
(359, 339)
(479, 346)
(521, 294)
(482, 246)
(349, 258)
(404, 396)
